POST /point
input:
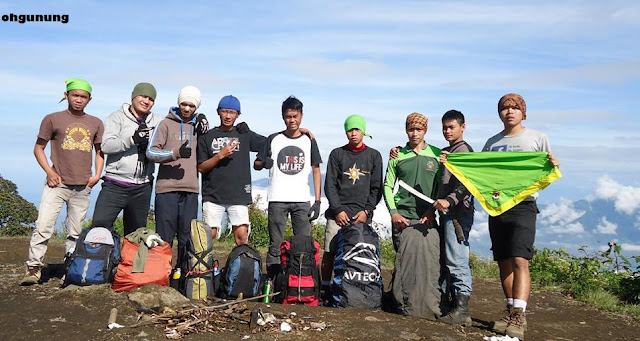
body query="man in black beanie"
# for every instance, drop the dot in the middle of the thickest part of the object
(128, 178)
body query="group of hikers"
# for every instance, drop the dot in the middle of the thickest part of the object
(432, 277)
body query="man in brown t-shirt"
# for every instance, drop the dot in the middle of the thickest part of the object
(73, 134)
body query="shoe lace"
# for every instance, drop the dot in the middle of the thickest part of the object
(507, 318)
(515, 319)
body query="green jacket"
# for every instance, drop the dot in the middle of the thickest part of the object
(421, 171)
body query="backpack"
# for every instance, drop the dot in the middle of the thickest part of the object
(299, 280)
(357, 282)
(156, 268)
(197, 267)
(241, 274)
(94, 259)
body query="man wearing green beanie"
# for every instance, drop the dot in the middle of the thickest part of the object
(128, 178)
(353, 186)
(73, 135)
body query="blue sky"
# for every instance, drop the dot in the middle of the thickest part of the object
(577, 64)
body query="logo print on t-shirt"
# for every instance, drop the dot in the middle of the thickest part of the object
(502, 148)
(354, 173)
(77, 136)
(220, 142)
(291, 160)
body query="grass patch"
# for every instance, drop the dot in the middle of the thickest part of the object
(483, 269)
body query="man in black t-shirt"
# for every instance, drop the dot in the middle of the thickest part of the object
(223, 160)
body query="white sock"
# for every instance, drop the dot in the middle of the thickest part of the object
(510, 302)
(517, 303)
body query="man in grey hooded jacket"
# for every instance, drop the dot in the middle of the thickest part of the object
(128, 178)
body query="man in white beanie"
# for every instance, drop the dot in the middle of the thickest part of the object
(177, 187)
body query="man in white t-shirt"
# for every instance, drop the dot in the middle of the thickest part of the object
(290, 156)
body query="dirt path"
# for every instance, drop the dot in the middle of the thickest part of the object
(46, 312)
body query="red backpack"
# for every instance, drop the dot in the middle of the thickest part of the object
(299, 281)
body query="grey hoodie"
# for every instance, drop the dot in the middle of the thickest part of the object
(123, 162)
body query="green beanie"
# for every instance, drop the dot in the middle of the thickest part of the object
(144, 89)
(78, 84)
(356, 122)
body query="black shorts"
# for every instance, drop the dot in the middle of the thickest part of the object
(513, 232)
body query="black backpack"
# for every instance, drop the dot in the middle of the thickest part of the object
(358, 280)
(241, 274)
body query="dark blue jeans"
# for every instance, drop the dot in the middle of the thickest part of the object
(114, 198)
(174, 212)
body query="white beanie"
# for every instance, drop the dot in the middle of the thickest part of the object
(190, 94)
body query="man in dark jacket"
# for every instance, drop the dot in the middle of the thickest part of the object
(456, 217)
(353, 186)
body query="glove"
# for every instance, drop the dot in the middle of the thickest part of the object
(153, 240)
(242, 128)
(141, 136)
(314, 211)
(202, 124)
(267, 163)
(185, 152)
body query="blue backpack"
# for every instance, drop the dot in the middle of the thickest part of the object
(94, 259)
(241, 274)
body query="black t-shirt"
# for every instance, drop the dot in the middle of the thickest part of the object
(229, 182)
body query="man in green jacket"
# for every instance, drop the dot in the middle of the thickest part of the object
(415, 234)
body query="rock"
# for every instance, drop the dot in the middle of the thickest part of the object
(153, 295)
(145, 300)
(409, 336)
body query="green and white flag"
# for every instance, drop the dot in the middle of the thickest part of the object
(501, 180)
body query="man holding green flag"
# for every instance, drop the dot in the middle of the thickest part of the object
(73, 135)
(506, 185)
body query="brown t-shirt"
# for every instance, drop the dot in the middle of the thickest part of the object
(72, 139)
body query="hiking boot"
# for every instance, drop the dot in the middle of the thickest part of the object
(500, 326)
(460, 313)
(325, 296)
(32, 276)
(517, 324)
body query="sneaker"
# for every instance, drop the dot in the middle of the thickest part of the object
(32, 276)
(517, 324)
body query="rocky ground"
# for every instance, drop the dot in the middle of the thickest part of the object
(47, 312)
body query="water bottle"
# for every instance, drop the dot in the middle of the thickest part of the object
(216, 270)
(268, 286)
(177, 273)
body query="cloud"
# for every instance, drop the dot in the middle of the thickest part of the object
(626, 198)
(606, 227)
(480, 229)
(566, 228)
(626, 247)
(560, 213)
